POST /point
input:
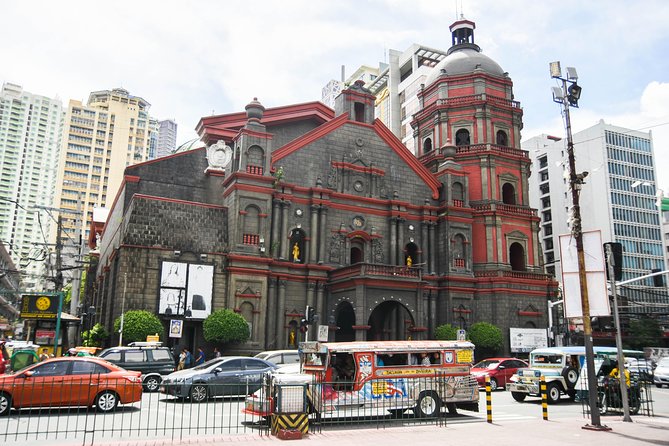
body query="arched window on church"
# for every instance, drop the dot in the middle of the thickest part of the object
(246, 310)
(410, 254)
(427, 145)
(459, 253)
(508, 194)
(255, 160)
(530, 324)
(502, 139)
(359, 109)
(251, 224)
(357, 251)
(517, 257)
(458, 193)
(297, 243)
(462, 137)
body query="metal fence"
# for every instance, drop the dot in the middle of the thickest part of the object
(86, 413)
(609, 396)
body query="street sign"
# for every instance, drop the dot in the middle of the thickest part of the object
(525, 340)
(323, 333)
(462, 335)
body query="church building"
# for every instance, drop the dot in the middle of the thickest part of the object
(301, 205)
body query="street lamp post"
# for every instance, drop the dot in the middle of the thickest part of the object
(568, 94)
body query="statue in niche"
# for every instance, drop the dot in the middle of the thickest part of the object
(335, 248)
(409, 261)
(296, 253)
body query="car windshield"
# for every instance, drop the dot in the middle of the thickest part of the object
(207, 364)
(486, 364)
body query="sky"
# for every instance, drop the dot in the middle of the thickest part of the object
(191, 59)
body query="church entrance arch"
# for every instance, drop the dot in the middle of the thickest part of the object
(345, 319)
(389, 321)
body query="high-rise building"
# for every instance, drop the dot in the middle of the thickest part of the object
(167, 138)
(618, 198)
(100, 139)
(30, 137)
(396, 85)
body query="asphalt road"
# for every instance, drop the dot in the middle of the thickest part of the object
(162, 417)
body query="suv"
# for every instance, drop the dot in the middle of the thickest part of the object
(280, 357)
(149, 358)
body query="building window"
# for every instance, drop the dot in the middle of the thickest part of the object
(517, 257)
(546, 202)
(359, 109)
(458, 192)
(462, 137)
(427, 145)
(508, 194)
(502, 139)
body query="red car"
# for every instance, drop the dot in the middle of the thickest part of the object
(498, 369)
(70, 381)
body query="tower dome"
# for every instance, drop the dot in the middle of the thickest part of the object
(464, 56)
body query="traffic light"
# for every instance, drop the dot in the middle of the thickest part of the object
(658, 280)
(574, 94)
(617, 254)
(310, 315)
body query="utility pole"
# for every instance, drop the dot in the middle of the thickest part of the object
(58, 279)
(566, 96)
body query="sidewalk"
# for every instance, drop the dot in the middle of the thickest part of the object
(642, 431)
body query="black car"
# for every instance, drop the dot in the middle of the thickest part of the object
(228, 375)
(151, 359)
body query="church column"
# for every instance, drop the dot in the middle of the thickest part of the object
(313, 240)
(393, 241)
(311, 301)
(270, 333)
(433, 243)
(281, 315)
(276, 223)
(426, 246)
(283, 236)
(322, 235)
(320, 303)
(400, 241)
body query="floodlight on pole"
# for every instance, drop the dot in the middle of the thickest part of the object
(575, 184)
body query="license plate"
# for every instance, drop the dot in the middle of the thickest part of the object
(521, 388)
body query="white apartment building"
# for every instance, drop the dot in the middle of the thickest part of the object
(396, 85)
(167, 138)
(30, 138)
(100, 139)
(618, 199)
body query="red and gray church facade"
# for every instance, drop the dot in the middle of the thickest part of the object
(302, 205)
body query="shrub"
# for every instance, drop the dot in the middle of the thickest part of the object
(225, 326)
(138, 324)
(487, 338)
(95, 336)
(446, 332)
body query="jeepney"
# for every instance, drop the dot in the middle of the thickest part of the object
(384, 376)
(561, 369)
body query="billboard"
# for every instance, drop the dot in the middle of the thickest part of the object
(39, 306)
(525, 340)
(186, 289)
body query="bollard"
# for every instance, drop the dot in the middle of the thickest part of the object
(544, 398)
(488, 399)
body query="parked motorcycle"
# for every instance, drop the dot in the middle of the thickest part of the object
(610, 396)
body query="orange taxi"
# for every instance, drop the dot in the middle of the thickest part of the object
(70, 381)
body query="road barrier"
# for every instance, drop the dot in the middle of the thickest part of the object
(544, 398)
(488, 399)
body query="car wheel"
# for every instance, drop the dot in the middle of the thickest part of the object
(570, 375)
(493, 384)
(553, 393)
(198, 393)
(5, 403)
(152, 383)
(518, 396)
(659, 386)
(428, 405)
(106, 401)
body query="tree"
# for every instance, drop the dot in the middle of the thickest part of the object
(644, 332)
(446, 332)
(95, 336)
(225, 326)
(138, 324)
(487, 338)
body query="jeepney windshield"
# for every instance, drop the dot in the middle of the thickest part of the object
(544, 359)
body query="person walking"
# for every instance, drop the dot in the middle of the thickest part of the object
(188, 363)
(217, 353)
(182, 360)
(199, 359)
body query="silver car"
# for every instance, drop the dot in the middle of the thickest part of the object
(661, 373)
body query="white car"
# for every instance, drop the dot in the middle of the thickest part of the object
(661, 373)
(280, 357)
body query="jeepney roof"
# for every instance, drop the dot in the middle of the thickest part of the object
(580, 350)
(385, 346)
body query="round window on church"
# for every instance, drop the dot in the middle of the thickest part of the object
(358, 186)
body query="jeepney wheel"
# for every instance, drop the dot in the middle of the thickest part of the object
(518, 396)
(428, 405)
(493, 384)
(570, 375)
(553, 393)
